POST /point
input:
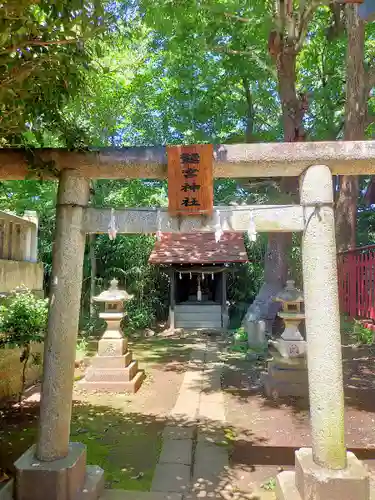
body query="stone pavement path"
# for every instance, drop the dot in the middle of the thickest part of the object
(194, 457)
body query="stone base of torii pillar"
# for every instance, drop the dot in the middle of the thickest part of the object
(313, 482)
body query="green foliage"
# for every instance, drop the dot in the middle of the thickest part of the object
(23, 321)
(46, 50)
(269, 485)
(355, 331)
(240, 335)
(361, 334)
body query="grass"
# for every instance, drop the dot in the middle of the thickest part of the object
(115, 441)
(126, 445)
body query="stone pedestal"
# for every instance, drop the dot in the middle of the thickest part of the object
(313, 482)
(113, 368)
(67, 478)
(286, 377)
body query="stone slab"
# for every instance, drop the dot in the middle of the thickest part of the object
(111, 361)
(171, 478)
(64, 479)
(179, 432)
(186, 406)
(139, 495)
(94, 483)
(211, 462)
(212, 411)
(112, 386)
(293, 376)
(177, 451)
(277, 389)
(317, 483)
(214, 436)
(94, 374)
(212, 397)
(286, 488)
(7, 490)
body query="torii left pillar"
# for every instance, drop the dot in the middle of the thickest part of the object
(56, 469)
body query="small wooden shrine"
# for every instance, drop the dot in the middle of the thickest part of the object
(198, 267)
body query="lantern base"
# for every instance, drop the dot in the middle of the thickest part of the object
(286, 378)
(130, 386)
(116, 373)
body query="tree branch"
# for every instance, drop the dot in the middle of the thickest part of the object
(248, 53)
(305, 19)
(38, 43)
(237, 18)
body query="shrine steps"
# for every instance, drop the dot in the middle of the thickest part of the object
(198, 316)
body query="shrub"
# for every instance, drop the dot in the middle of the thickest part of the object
(362, 334)
(23, 321)
(240, 335)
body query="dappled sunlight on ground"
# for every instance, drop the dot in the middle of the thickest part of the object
(259, 435)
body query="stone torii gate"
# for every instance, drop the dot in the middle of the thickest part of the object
(56, 469)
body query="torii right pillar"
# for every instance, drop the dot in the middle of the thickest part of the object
(327, 471)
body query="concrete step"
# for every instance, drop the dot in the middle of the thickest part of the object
(110, 361)
(94, 483)
(198, 308)
(94, 374)
(203, 316)
(131, 386)
(191, 325)
(6, 490)
(285, 486)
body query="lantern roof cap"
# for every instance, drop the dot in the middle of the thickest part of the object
(290, 293)
(113, 294)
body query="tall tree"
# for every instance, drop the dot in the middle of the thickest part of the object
(44, 54)
(359, 83)
(355, 119)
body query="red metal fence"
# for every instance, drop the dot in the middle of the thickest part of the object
(356, 273)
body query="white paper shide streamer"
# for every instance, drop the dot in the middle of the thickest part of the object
(112, 226)
(217, 225)
(252, 231)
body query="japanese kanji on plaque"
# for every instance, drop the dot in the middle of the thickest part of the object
(190, 179)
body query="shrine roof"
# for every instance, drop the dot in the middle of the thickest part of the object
(199, 248)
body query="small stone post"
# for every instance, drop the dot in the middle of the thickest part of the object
(327, 471)
(31, 250)
(65, 297)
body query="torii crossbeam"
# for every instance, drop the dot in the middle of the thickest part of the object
(60, 465)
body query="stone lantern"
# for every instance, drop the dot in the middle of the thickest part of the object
(113, 368)
(287, 369)
(291, 344)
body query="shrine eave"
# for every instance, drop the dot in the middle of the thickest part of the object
(199, 248)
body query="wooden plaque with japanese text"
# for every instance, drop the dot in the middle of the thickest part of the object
(190, 179)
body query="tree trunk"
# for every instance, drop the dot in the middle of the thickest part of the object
(276, 259)
(355, 124)
(92, 240)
